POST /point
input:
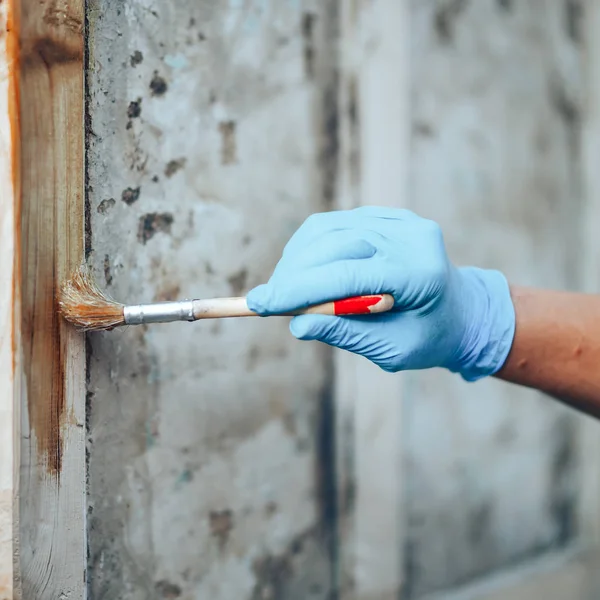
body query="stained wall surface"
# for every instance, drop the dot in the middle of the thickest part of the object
(492, 471)
(208, 143)
(212, 132)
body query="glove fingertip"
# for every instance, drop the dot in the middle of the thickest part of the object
(258, 299)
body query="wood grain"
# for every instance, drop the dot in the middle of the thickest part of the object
(48, 244)
(9, 342)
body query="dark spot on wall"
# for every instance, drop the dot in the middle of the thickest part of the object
(186, 476)
(270, 509)
(354, 131)
(221, 524)
(105, 205)
(130, 195)
(167, 590)
(272, 574)
(153, 223)
(329, 107)
(246, 240)
(155, 179)
(308, 35)
(201, 37)
(326, 475)
(563, 480)
(212, 97)
(252, 358)
(134, 110)
(574, 13)
(191, 22)
(158, 86)
(444, 19)
(353, 102)
(505, 5)
(228, 142)
(107, 274)
(423, 129)
(563, 103)
(479, 523)
(238, 282)
(168, 293)
(136, 58)
(411, 567)
(173, 166)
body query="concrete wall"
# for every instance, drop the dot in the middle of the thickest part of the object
(492, 470)
(209, 450)
(212, 132)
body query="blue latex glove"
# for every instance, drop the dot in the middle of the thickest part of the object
(459, 318)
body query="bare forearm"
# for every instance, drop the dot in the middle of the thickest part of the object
(557, 346)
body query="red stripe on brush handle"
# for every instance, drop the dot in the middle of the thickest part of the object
(363, 305)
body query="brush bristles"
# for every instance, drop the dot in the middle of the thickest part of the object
(83, 304)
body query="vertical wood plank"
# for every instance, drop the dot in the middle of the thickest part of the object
(9, 362)
(52, 532)
(375, 150)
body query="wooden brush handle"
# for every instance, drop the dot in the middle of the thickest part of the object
(219, 308)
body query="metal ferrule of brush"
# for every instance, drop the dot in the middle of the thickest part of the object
(161, 312)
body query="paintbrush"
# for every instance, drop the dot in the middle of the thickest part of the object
(84, 305)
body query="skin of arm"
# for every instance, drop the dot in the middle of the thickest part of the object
(556, 348)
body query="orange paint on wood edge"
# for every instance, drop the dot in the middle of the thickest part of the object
(47, 45)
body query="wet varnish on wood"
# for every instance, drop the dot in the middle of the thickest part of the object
(44, 221)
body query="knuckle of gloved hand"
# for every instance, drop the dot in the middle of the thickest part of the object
(318, 221)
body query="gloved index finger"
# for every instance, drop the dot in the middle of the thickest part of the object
(294, 290)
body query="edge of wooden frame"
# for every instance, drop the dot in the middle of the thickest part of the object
(9, 343)
(44, 213)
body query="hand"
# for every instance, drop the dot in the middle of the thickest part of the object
(461, 319)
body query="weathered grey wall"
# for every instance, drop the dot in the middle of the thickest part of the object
(212, 132)
(210, 137)
(492, 470)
